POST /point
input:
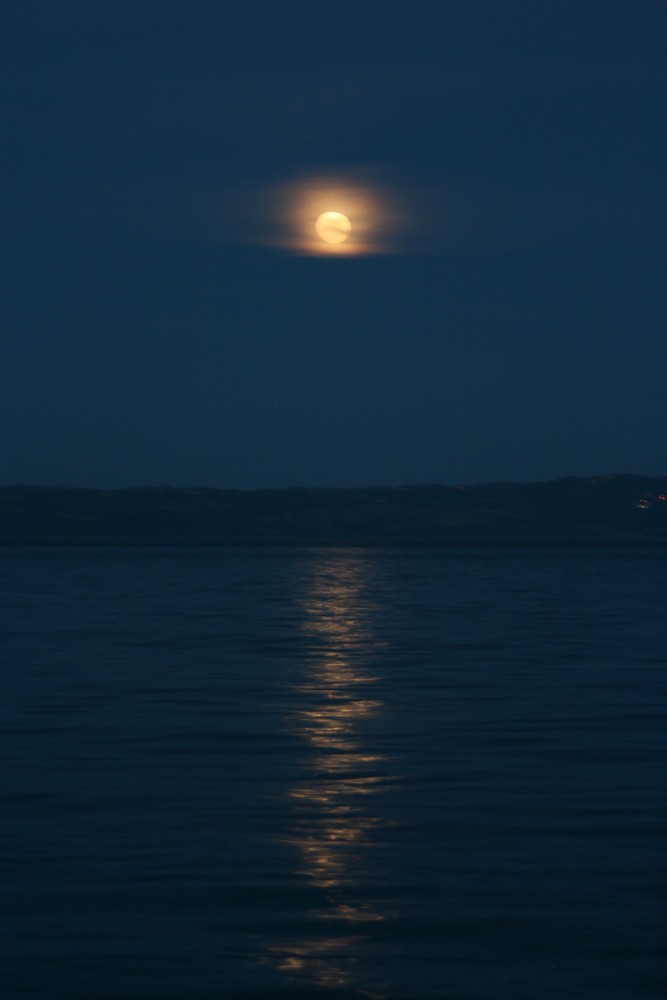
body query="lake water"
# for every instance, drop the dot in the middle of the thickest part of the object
(346, 773)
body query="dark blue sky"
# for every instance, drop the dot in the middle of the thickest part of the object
(144, 341)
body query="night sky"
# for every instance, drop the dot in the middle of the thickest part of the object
(160, 325)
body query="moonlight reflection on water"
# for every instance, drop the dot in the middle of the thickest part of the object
(336, 828)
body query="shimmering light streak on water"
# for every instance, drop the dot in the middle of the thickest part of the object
(336, 828)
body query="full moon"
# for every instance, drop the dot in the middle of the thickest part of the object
(333, 227)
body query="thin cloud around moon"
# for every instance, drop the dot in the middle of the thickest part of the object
(291, 215)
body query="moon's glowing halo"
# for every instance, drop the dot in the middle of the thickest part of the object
(333, 227)
(386, 217)
(308, 201)
(287, 215)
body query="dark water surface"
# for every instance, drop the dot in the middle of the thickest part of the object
(351, 773)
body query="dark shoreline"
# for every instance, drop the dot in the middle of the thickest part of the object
(603, 512)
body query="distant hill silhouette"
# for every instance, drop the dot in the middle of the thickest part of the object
(605, 511)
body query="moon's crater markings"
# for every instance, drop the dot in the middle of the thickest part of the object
(333, 227)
